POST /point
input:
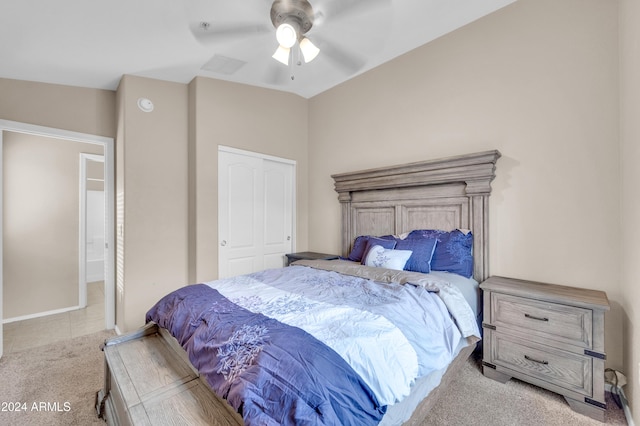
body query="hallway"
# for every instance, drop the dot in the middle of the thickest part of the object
(26, 334)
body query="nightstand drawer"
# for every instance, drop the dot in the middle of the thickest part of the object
(548, 335)
(546, 320)
(568, 370)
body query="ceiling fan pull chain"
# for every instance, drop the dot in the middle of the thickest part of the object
(292, 62)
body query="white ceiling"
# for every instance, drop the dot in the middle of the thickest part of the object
(93, 43)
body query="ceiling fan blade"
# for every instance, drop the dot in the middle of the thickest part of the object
(340, 9)
(276, 74)
(212, 32)
(348, 61)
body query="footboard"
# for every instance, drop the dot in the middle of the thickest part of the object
(148, 380)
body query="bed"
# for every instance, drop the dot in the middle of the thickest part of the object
(358, 340)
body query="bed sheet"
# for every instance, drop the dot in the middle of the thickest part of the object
(469, 288)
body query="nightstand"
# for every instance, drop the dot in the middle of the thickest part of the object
(548, 335)
(309, 255)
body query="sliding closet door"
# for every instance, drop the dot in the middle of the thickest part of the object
(255, 211)
(277, 178)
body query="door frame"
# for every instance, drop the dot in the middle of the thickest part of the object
(109, 165)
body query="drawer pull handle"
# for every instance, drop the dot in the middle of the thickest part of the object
(536, 318)
(528, 358)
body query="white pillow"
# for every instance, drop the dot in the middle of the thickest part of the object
(381, 257)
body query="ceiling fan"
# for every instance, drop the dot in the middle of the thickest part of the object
(292, 21)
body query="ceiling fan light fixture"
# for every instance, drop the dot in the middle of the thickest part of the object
(292, 19)
(286, 35)
(309, 50)
(282, 55)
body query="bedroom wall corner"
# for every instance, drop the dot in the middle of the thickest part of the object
(629, 15)
(152, 202)
(248, 118)
(191, 182)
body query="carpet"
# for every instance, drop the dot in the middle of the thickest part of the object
(473, 399)
(53, 384)
(56, 384)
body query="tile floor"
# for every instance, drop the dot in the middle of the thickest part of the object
(35, 332)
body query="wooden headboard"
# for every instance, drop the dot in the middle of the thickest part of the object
(445, 194)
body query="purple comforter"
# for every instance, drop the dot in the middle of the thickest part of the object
(271, 373)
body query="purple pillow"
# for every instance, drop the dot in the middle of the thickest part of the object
(360, 247)
(453, 251)
(357, 252)
(375, 241)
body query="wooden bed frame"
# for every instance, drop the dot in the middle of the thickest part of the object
(450, 193)
(440, 194)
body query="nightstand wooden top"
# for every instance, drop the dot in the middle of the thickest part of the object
(593, 299)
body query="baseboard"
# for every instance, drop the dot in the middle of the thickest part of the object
(623, 399)
(40, 314)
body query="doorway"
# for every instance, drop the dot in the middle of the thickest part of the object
(107, 145)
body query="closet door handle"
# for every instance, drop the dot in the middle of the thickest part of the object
(223, 243)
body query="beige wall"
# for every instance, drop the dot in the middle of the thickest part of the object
(167, 180)
(537, 80)
(248, 118)
(40, 223)
(78, 109)
(151, 191)
(630, 158)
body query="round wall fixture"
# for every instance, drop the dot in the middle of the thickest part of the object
(145, 104)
